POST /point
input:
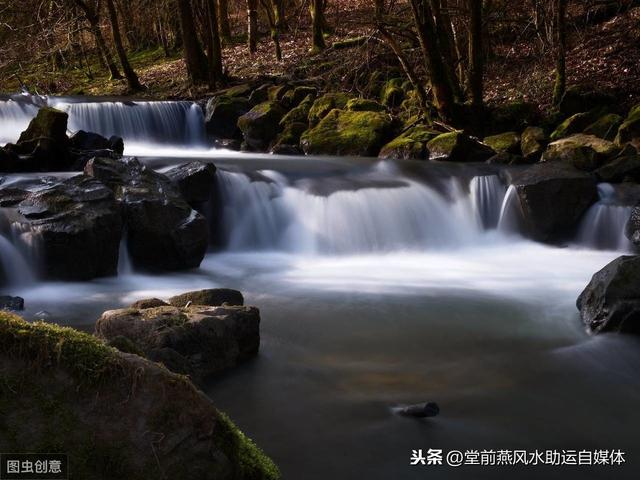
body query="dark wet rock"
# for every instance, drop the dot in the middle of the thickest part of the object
(343, 132)
(286, 149)
(506, 158)
(553, 197)
(164, 232)
(632, 229)
(118, 415)
(212, 297)
(89, 141)
(10, 196)
(48, 123)
(228, 144)
(11, 303)
(149, 303)
(458, 147)
(533, 141)
(611, 300)
(222, 114)
(195, 340)
(75, 227)
(260, 125)
(194, 180)
(420, 410)
(585, 152)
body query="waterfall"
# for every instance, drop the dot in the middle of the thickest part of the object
(15, 268)
(14, 119)
(487, 195)
(266, 211)
(604, 223)
(510, 217)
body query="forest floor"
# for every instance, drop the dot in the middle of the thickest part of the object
(603, 56)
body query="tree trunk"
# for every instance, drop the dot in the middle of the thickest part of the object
(270, 8)
(442, 91)
(223, 20)
(193, 54)
(132, 78)
(214, 47)
(476, 56)
(561, 45)
(445, 41)
(252, 25)
(317, 18)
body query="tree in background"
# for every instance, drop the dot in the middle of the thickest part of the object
(130, 74)
(271, 10)
(252, 25)
(214, 46)
(223, 20)
(561, 45)
(476, 54)
(194, 57)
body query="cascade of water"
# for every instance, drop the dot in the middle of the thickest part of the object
(15, 268)
(510, 217)
(14, 119)
(125, 267)
(604, 223)
(487, 196)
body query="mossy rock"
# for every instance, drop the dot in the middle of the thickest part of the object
(458, 147)
(364, 105)
(222, 114)
(392, 93)
(584, 152)
(299, 114)
(291, 134)
(629, 131)
(298, 94)
(324, 104)
(411, 144)
(343, 132)
(574, 124)
(516, 115)
(504, 142)
(533, 141)
(48, 123)
(374, 84)
(605, 127)
(277, 92)
(260, 125)
(65, 391)
(242, 90)
(260, 94)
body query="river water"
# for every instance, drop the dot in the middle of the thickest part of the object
(384, 284)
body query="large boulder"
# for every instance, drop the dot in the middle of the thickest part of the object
(343, 132)
(195, 340)
(194, 180)
(163, 232)
(222, 114)
(411, 144)
(553, 197)
(624, 168)
(213, 297)
(74, 228)
(629, 131)
(458, 147)
(574, 124)
(324, 104)
(508, 142)
(260, 125)
(48, 123)
(116, 415)
(533, 141)
(585, 152)
(605, 127)
(83, 146)
(611, 300)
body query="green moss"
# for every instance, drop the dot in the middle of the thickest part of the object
(392, 93)
(253, 463)
(630, 128)
(348, 133)
(45, 344)
(411, 144)
(324, 104)
(291, 134)
(299, 114)
(49, 122)
(458, 147)
(504, 142)
(126, 345)
(605, 127)
(364, 105)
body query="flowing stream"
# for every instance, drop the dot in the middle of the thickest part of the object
(380, 284)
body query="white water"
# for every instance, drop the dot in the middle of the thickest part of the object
(14, 119)
(14, 266)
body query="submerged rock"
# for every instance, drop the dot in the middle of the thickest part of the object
(195, 340)
(458, 147)
(117, 415)
(553, 197)
(164, 232)
(343, 132)
(420, 410)
(611, 300)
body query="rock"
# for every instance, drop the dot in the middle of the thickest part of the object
(290, 135)
(506, 158)
(293, 97)
(585, 152)
(574, 124)
(75, 227)
(117, 415)
(194, 181)
(629, 131)
(632, 229)
(611, 300)
(605, 127)
(163, 232)
(420, 410)
(625, 167)
(324, 104)
(11, 303)
(286, 149)
(516, 116)
(149, 303)
(412, 144)
(364, 105)
(197, 340)
(277, 93)
(260, 94)
(91, 142)
(342, 132)
(10, 161)
(458, 147)
(508, 142)
(533, 141)
(48, 123)
(299, 114)
(553, 197)
(213, 297)
(576, 99)
(392, 93)
(260, 125)
(222, 114)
